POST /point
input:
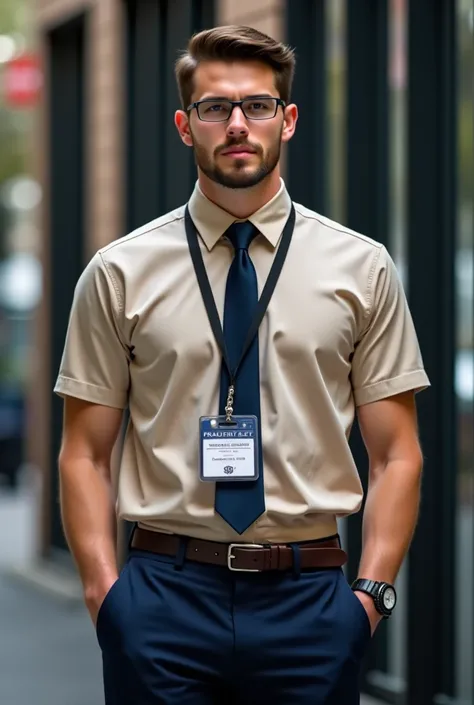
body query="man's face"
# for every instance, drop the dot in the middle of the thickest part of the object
(238, 152)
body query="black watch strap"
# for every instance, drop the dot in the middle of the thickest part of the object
(365, 585)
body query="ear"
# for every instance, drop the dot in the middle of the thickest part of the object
(289, 122)
(181, 120)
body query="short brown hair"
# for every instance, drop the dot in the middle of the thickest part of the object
(235, 43)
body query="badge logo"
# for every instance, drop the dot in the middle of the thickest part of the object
(228, 469)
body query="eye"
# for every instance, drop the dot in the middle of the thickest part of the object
(260, 108)
(214, 107)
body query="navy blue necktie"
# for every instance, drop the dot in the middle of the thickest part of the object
(241, 503)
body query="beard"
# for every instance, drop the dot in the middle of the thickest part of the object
(239, 175)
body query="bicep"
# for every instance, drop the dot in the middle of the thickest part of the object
(389, 429)
(89, 431)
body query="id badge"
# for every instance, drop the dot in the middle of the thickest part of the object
(228, 450)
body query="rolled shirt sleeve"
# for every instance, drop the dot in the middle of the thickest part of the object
(95, 361)
(387, 358)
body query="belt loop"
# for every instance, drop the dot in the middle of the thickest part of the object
(130, 538)
(181, 553)
(296, 560)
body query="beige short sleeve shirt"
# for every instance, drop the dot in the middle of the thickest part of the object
(337, 333)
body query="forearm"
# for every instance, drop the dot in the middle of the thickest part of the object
(89, 522)
(389, 521)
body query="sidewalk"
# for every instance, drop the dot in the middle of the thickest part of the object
(48, 652)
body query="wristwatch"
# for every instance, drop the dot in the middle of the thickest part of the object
(383, 594)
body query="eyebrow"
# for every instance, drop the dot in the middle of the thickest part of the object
(247, 97)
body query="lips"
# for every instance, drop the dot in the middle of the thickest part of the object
(242, 149)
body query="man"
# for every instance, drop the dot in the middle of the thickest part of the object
(235, 469)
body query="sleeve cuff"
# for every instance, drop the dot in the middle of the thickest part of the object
(416, 381)
(67, 387)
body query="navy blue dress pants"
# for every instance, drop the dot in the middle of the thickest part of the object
(202, 635)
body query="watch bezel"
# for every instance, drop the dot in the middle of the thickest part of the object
(382, 588)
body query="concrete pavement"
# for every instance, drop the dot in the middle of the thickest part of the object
(48, 652)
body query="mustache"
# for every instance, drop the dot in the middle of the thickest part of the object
(238, 143)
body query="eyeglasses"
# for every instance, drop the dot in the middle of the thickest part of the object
(253, 108)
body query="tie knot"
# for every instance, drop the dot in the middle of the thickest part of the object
(242, 234)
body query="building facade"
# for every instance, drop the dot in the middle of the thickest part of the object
(385, 124)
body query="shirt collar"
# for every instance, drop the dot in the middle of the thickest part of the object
(212, 221)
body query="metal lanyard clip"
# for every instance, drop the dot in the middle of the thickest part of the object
(229, 404)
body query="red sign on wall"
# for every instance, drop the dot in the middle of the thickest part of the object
(22, 81)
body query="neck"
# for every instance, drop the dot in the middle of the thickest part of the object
(242, 202)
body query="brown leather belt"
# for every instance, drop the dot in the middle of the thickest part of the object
(246, 557)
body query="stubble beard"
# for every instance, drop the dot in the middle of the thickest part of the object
(238, 177)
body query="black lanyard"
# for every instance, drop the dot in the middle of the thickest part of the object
(208, 298)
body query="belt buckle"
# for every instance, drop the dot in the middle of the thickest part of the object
(230, 556)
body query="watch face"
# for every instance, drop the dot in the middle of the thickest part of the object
(389, 598)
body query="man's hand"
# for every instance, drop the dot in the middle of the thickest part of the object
(95, 596)
(369, 606)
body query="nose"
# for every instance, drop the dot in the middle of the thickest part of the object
(237, 123)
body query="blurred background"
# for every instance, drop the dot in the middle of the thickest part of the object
(88, 151)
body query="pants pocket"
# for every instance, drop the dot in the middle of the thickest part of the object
(112, 606)
(359, 619)
(363, 616)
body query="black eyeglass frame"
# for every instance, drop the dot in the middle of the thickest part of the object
(233, 104)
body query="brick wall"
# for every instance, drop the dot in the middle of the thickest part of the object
(267, 18)
(105, 125)
(54, 12)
